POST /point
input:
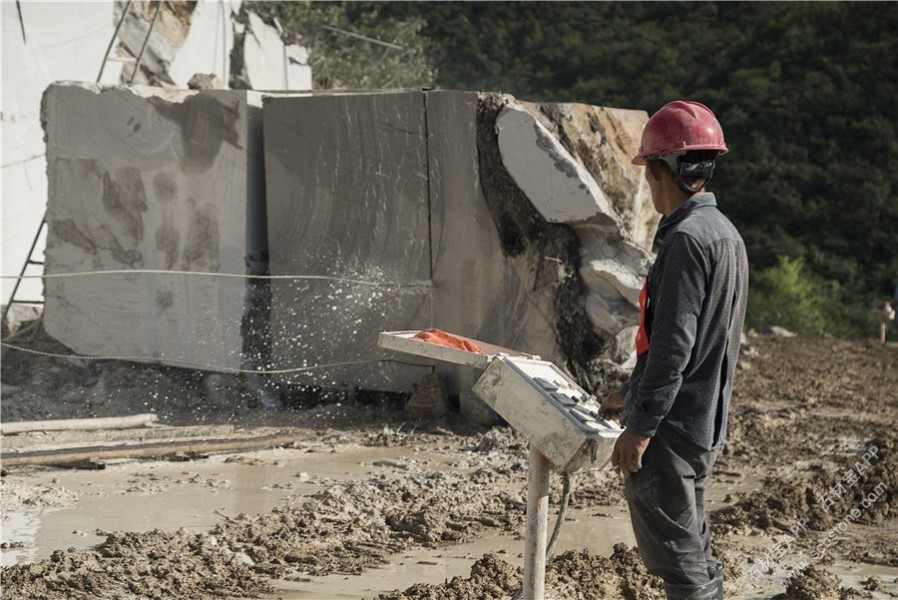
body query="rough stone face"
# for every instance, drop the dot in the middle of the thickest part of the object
(142, 178)
(169, 31)
(573, 164)
(225, 37)
(558, 186)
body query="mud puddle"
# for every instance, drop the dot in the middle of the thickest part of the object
(747, 552)
(596, 529)
(194, 496)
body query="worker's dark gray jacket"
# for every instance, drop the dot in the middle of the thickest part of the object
(697, 292)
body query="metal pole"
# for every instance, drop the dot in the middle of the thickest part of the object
(112, 41)
(145, 40)
(24, 266)
(537, 517)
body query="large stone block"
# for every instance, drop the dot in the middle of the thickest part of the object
(149, 179)
(349, 217)
(480, 291)
(396, 211)
(384, 190)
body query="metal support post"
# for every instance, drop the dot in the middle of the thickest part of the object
(537, 517)
(28, 261)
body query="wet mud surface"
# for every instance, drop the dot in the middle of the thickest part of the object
(812, 465)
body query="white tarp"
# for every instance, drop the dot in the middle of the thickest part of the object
(67, 41)
(62, 40)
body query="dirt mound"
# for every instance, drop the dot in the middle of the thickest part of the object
(491, 577)
(375, 518)
(813, 583)
(573, 575)
(864, 489)
(153, 564)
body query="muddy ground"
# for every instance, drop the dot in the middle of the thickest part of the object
(806, 508)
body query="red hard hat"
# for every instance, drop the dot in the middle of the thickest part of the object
(679, 127)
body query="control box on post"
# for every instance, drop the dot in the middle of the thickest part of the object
(534, 396)
(554, 413)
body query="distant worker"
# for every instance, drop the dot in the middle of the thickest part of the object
(674, 407)
(888, 314)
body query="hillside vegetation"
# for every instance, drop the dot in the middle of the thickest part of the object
(805, 93)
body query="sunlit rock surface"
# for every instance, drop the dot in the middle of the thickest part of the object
(433, 220)
(142, 178)
(573, 163)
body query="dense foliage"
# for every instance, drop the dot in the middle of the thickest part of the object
(354, 50)
(806, 93)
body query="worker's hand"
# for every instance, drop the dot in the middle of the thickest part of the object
(611, 406)
(628, 451)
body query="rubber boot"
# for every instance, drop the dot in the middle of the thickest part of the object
(704, 591)
(716, 574)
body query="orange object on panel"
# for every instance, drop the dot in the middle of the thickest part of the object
(439, 337)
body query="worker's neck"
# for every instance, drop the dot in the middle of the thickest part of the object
(672, 200)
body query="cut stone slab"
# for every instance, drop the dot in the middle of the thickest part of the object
(348, 206)
(144, 178)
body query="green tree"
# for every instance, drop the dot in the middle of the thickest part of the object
(354, 49)
(784, 295)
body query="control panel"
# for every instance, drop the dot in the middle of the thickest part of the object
(555, 414)
(534, 396)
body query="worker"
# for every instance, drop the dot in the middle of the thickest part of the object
(674, 406)
(888, 313)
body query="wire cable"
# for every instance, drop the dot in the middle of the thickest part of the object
(193, 364)
(221, 275)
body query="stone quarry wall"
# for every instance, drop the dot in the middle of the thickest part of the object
(518, 224)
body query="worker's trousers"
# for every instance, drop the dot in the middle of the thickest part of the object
(667, 508)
